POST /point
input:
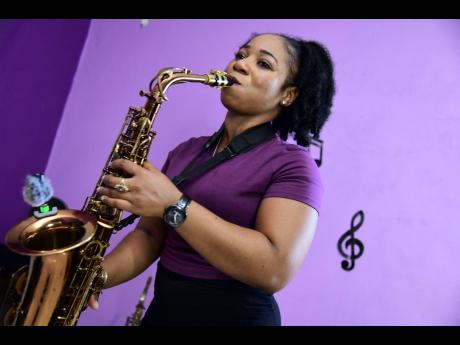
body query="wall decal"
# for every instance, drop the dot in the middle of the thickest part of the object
(350, 247)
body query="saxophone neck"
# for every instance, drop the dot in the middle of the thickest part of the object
(174, 75)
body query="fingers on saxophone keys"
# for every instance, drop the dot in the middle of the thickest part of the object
(109, 180)
(110, 192)
(104, 191)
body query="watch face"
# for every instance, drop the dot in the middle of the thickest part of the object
(174, 216)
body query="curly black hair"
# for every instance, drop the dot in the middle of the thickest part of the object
(312, 73)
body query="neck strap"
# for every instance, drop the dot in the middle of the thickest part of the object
(243, 142)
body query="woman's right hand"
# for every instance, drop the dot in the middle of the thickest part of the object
(93, 303)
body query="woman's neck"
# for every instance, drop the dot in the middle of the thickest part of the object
(237, 124)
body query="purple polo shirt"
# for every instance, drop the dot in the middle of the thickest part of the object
(234, 189)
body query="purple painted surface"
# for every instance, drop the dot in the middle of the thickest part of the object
(391, 150)
(38, 59)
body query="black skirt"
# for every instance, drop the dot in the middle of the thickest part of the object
(184, 301)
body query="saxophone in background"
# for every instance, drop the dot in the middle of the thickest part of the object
(66, 249)
(135, 319)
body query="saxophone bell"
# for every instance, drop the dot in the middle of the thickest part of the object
(52, 244)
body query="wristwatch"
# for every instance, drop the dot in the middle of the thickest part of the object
(176, 214)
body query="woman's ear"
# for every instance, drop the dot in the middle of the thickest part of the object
(289, 96)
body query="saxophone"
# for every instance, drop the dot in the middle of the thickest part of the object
(135, 319)
(66, 249)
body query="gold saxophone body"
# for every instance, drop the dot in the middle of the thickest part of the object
(66, 250)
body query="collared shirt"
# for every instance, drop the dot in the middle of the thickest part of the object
(234, 189)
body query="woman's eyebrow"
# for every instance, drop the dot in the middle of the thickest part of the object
(263, 51)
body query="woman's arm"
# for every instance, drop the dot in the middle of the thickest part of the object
(136, 252)
(266, 257)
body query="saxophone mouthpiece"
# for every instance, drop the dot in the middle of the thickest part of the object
(220, 79)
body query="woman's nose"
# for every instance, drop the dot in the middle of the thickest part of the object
(240, 66)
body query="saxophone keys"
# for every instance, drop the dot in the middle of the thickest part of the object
(145, 94)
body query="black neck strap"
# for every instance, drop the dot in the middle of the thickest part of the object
(243, 142)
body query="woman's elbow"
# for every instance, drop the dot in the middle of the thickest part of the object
(277, 281)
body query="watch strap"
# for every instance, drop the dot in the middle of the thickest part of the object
(183, 202)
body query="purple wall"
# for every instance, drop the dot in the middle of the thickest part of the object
(38, 59)
(391, 149)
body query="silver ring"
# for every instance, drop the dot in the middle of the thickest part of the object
(121, 187)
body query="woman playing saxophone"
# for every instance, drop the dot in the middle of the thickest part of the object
(249, 222)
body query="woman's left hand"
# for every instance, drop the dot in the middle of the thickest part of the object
(150, 191)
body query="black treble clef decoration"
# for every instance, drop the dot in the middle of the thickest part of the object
(348, 240)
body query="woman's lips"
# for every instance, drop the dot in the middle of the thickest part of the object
(233, 80)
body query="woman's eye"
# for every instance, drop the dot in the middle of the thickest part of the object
(265, 65)
(239, 56)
